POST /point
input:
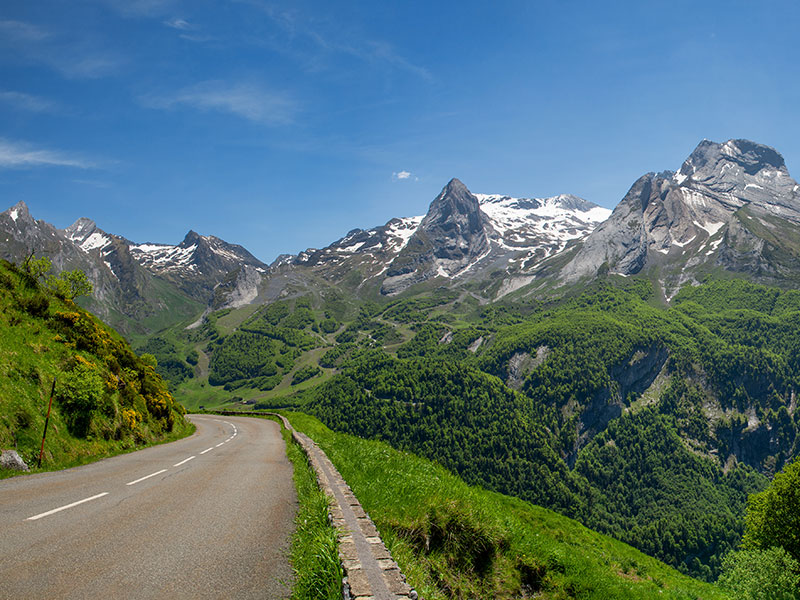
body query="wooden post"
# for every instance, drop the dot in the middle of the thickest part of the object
(46, 421)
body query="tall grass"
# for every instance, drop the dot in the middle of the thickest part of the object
(314, 555)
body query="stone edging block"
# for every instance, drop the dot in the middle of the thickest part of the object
(370, 571)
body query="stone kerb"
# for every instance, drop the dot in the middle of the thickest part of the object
(370, 571)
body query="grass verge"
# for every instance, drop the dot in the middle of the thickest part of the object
(314, 554)
(453, 540)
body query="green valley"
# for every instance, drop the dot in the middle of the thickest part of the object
(649, 423)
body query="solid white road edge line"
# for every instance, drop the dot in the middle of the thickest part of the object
(184, 461)
(65, 507)
(218, 445)
(207, 450)
(146, 477)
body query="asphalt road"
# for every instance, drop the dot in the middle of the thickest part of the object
(208, 516)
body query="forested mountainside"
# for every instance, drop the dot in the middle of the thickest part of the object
(106, 398)
(647, 422)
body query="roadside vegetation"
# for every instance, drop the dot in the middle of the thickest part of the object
(106, 399)
(453, 540)
(314, 555)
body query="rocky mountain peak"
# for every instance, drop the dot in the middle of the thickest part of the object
(455, 207)
(19, 213)
(750, 156)
(706, 215)
(451, 236)
(192, 238)
(80, 229)
(739, 172)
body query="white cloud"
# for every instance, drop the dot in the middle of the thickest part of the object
(246, 100)
(28, 102)
(180, 24)
(333, 38)
(78, 58)
(87, 67)
(139, 8)
(23, 31)
(19, 155)
(400, 175)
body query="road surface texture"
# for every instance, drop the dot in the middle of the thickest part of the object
(208, 516)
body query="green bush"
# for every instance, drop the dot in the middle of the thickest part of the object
(79, 392)
(773, 516)
(761, 575)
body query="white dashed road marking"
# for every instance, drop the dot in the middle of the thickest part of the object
(65, 507)
(146, 477)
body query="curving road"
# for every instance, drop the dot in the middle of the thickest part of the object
(208, 516)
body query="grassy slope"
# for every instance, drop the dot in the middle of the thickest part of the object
(34, 349)
(458, 541)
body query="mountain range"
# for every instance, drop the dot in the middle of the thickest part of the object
(462, 238)
(731, 207)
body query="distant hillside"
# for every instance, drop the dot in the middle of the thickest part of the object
(107, 399)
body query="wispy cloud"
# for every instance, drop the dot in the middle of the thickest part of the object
(180, 24)
(28, 102)
(90, 66)
(19, 31)
(139, 8)
(21, 155)
(188, 31)
(103, 185)
(75, 58)
(246, 100)
(402, 175)
(335, 39)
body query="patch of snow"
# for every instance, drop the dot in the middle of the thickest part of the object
(682, 244)
(403, 231)
(352, 248)
(149, 248)
(96, 240)
(753, 185)
(163, 256)
(530, 223)
(14, 214)
(714, 245)
(712, 228)
(440, 272)
(679, 179)
(108, 264)
(663, 250)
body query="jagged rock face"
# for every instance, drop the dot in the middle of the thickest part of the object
(81, 246)
(196, 265)
(455, 226)
(21, 234)
(465, 237)
(452, 234)
(731, 205)
(136, 281)
(239, 288)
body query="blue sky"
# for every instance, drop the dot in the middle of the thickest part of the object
(281, 126)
